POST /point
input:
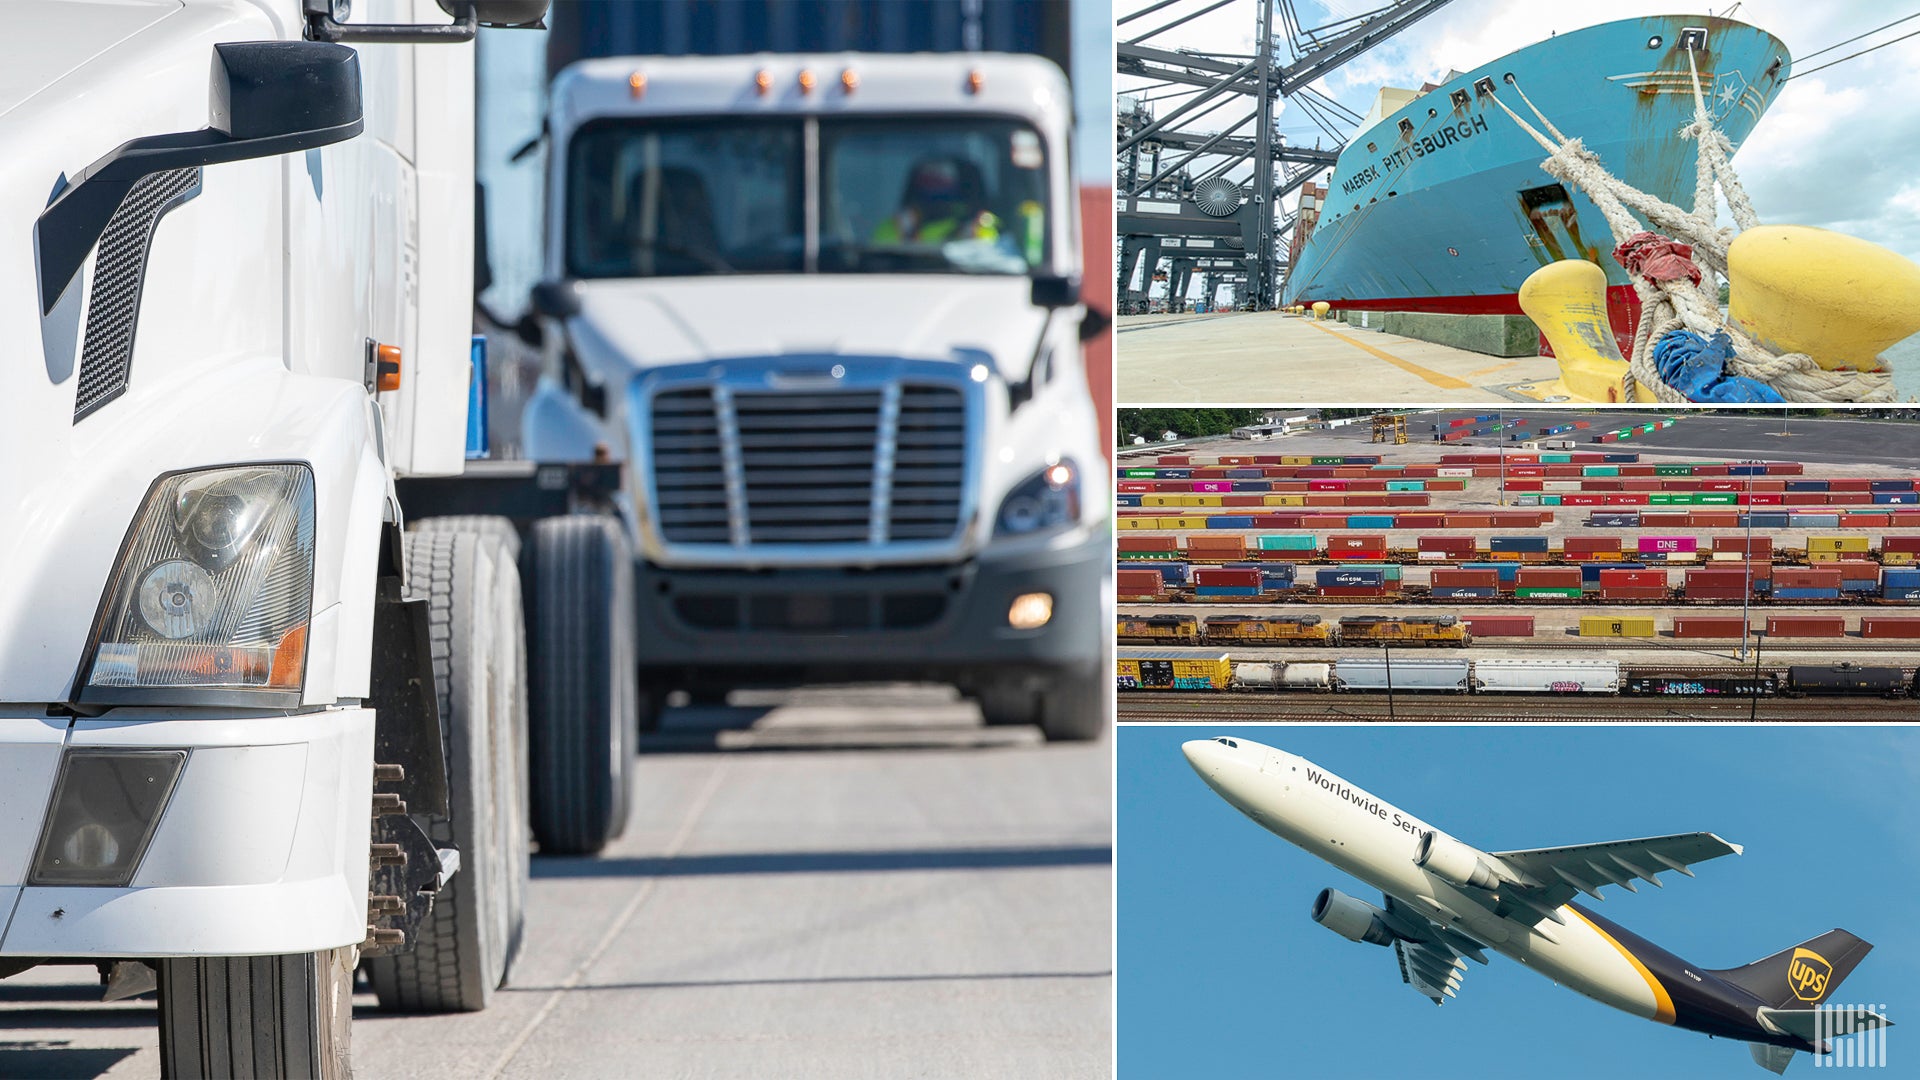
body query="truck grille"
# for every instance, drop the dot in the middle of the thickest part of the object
(865, 466)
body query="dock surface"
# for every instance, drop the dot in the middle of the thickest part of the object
(1261, 357)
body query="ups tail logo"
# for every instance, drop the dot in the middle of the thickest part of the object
(1807, 975)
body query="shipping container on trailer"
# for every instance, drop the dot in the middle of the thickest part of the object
(1806, 626)
(1709, 626)
(1402, 675)
(1525, 676)
(1486, 626)
(1616, 626)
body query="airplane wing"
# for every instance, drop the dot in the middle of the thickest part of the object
(1555, 875)
(1431, 956)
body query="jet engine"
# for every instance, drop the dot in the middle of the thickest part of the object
(1455, 862)
(1355, 920)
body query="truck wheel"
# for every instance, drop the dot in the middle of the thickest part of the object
(485, 525)
(1073, 707)
(279, 1017)
(584, 682)
(460, 954)
(1007, 706)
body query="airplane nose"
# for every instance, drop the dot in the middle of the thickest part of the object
(1203, 754)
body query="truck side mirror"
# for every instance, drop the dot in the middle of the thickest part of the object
(555, 299)
(1055, 290)
(268, 98)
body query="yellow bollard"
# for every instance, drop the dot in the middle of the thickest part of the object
(1567, 300)
(1839, 299)
(1320, 309)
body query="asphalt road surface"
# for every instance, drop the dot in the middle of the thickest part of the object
(864, 883)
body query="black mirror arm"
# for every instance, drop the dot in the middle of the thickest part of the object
(67, 230)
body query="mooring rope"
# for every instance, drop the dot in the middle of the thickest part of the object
(1671, 300)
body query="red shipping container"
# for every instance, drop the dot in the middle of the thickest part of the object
(1526, 485)
(1499, 625)
(1710, 470)
(1586, 545)
(1700, 626)
(1880, 626)
(1627, 498)
(1850, 485)
(1454, 577)
(1786, 468)
(1133, 542)
(1665, 519)
(1637, 470)
(1140, 583)
(1426, 520)
(1523, 520)
(1900, 543)
(1823, 626)
(1459, 547)
(1215, 576)
(1715, 519)
(1243, 500)
(1633, 579)
(1276, 521)
(1174, 459)
(1761, 545)
(1319, 522)
(1548, 577)
(1601, 484)
(1631, 592)
(1800, 577)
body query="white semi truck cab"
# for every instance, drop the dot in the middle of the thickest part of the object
(252, 734)
(825, 310)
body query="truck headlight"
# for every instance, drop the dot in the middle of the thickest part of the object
(1048, 499)
(212, 592)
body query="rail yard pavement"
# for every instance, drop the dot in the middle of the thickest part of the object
(862, 884)
(1267, 356)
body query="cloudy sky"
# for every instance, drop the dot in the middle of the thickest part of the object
(1837, 149)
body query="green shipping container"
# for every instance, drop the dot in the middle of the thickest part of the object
(1600, 470)
(1287, 543)
(1329, 461)
(1718, 498)
(1568, 593)
(1140, 474)
(1673, 470)
(1549, 500)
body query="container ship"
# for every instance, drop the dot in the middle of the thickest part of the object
(1440, 204)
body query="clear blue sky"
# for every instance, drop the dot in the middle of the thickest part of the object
(1222, 974)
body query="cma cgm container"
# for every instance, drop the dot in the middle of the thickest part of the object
(1900, 584)
(1547, 676)
(1402, 675)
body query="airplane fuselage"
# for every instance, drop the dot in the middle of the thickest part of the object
(1377, 842)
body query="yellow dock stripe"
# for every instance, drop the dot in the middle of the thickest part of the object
(1662, 1002)
(1444, 382)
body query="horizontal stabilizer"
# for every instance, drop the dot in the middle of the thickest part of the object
(1774, 1059)
(1818, 1025)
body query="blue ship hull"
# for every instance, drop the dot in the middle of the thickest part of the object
(1454, 214)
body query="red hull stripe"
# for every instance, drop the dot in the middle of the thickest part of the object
(1498, 304)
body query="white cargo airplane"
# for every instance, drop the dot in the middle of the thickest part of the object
(1446, 900)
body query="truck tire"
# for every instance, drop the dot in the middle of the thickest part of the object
(1073, 706)
(461, 949)
(516, 830)
(486, 525)
(583, 720)
(271, 1017)
(1008, 706)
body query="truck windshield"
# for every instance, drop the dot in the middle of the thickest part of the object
(650, 198)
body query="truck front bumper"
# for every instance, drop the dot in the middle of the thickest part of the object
(260, 848)
(945, 623)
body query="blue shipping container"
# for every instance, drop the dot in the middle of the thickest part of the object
(1807, 485)
(1509, 571)
(1226, 590)
(1126, 500)
(1517, 543)
(1337, 576)
(1229, 521)
(1466, 592)
(1806, 594)
(1613, 521)
(1765, 521)
(1896, 498)
(1816, 521)
(1245, 474)
(1253, 485)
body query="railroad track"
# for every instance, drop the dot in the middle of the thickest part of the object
(1170, 707)
(1849, 646)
